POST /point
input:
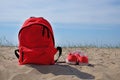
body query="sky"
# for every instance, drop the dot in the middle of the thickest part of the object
(74, 22)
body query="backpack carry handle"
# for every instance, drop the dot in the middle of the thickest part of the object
(16, 53)
(60, 53)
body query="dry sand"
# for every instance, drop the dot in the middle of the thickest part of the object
(105, 66)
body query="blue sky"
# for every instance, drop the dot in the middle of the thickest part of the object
(73, 21)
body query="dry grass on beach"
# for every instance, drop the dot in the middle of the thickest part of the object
(105, 66)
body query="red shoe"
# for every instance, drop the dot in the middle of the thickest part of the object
(77, 58)
(82, 59)
(71, 59)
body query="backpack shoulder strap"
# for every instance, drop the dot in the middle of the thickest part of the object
(60, 53)
(16, 53)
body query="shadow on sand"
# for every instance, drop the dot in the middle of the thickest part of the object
(62, 70)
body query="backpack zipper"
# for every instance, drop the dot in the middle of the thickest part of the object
(22, 56)
(43, 31)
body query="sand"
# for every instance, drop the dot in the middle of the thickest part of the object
(105, 65)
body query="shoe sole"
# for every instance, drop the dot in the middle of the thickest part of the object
(70, 62)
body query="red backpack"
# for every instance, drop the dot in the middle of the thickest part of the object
(36, 43)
